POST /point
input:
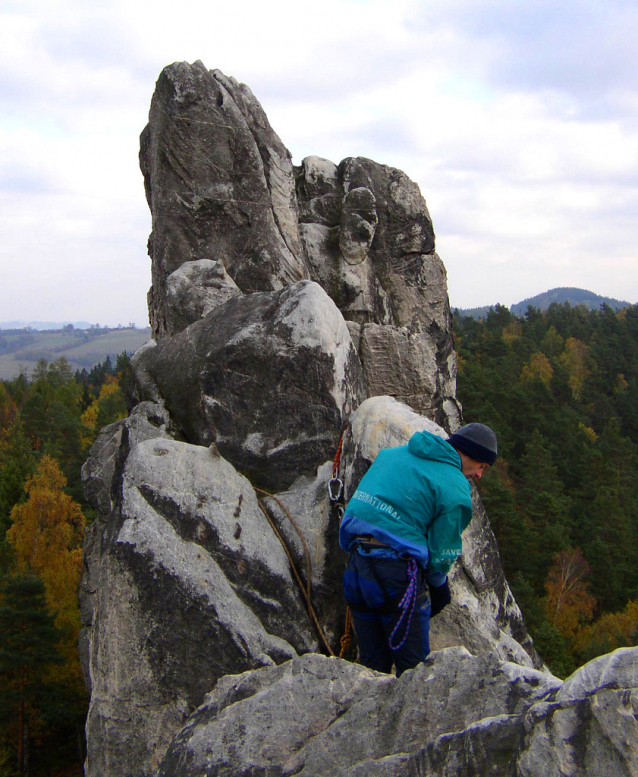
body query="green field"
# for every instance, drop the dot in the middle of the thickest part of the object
(21, 349)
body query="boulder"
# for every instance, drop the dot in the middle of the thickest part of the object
(196, 288)
(316, 715)
(269, 377)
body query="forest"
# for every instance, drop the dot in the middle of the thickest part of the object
(47, 426)
(560, 388)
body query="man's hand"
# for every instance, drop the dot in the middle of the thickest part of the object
(440, 597)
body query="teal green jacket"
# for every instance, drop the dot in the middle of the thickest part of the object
(415, 499)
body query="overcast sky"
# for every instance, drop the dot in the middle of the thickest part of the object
(518, 120)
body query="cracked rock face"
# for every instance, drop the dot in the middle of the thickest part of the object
(219, 184)
(186, 582)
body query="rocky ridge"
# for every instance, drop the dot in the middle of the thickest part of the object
(455, 715)
(291, 307)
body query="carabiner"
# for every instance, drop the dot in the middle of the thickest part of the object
(335, 489)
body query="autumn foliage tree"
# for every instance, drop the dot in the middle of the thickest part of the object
(46, 535)
(42, 510)
(560, 388)
(107, 408)
(568, 603)
(610, 631)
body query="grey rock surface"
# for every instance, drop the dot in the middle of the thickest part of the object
(221, 188)
(283, 299)
(453, 716)
(318, 716)
(196, 288)
(369, 241)
(186, 582)
(269, 377)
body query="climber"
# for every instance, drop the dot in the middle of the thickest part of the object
(402, 528)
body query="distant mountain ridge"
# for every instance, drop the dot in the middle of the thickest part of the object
(560, 295)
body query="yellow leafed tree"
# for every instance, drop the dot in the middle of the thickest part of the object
(512, 331)
(47, 534)
(539, 367)
(611, 631)
(568, 603)
(575, 358)
(110, 402)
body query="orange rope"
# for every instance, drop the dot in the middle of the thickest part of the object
(346, 640)
(337, 459)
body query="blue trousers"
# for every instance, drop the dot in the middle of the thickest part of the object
(375, 613)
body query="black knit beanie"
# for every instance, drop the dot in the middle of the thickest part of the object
(477, 441)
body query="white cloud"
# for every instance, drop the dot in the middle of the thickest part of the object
(518, 120)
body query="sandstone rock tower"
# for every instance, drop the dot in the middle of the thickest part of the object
(286, 302)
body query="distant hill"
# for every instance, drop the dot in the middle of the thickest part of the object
(560, 296)
(574, 296)
(20, 349)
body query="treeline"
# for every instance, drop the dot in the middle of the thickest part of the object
(560, 388)
(47, 425)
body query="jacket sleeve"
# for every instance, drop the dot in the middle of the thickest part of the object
(444, 538)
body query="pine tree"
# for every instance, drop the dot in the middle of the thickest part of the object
(543, 504)
(28, 649)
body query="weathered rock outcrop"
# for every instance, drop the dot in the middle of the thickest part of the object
(230, 212)
(186, 581)
(219, 185)
(269, 377)
(286, 303)
(453, 716)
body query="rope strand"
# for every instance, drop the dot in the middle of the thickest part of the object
(406, 604)
(304, 589)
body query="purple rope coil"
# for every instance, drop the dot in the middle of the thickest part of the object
(406, 605)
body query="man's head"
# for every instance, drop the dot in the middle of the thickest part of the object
(477, 446)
